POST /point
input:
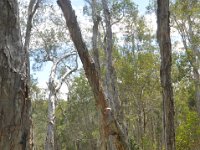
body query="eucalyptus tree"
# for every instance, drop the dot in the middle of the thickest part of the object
(163, 37)
(54, 87)
(53, 48)
(15, 129)
(137, 68)
(106, 15)
(110, 126)
(111, 89)
(138, 39)
(185, 17)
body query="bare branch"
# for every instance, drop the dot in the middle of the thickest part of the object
(55, 64)
(65, 75)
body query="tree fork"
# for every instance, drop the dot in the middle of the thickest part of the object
(109, 124)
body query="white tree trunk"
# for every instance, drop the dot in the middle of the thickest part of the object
(49, 144)
(54, 88)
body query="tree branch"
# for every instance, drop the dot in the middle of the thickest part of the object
(109, 124)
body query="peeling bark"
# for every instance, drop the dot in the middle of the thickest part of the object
(110, 125)
(15, 105)
(163, 37)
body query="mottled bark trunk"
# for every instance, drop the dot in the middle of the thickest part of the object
(112, 92)
(49, 143)
(109, 85)
(110, 125)
(15, 120)
(163, 37)
(111, 79)
(96, 19)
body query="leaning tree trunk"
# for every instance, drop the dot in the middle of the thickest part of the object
(163, 37)
(15, 120)
(110, 125)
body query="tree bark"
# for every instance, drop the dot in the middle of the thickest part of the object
(96, 19)
(49, 143)
(110, 125)
(111, 79)
(163, 37)
(112, 91)
(15, 104)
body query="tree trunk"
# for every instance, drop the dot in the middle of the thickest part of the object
(110, 125)
(54, 88)
(50, 144)
(111, 79)
(112, 91)
(163, 37)
(96, 19)
(15, 120)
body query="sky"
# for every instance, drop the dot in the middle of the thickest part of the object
(43, 75)
(141, 4)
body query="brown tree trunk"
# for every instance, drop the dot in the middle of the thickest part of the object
(110, 125)
(163, 37)
(111, 79)
(15, 120)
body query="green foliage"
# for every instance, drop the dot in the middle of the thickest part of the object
(188, 132)
(187, 119)
(138, 77)
(76, 123)
(182, 67)
(137, 65)
(39, 117)
(133, 145)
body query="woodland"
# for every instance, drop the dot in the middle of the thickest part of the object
(115, 80)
